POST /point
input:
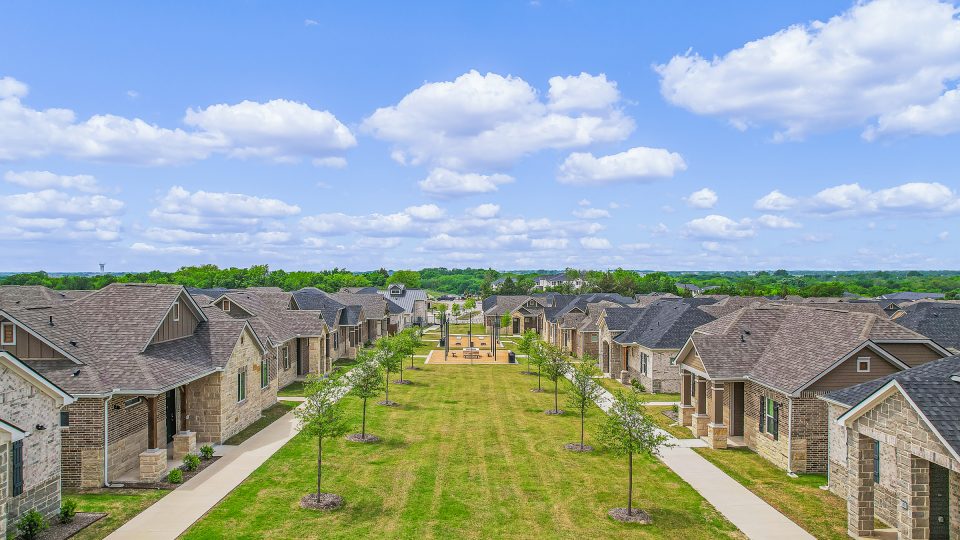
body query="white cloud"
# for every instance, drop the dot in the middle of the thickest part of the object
(584, 202)
(944, 235)
(335, 224)
(923, 198)
(638, 164)
(775, 201)
(636, 246)
(716, 227)
(659, 229)
(582, 92)
(876, 59)
(711, 246)
(482, 121)
(444, 182)
(594, 242)
(334, 162)
(549, 243)
(777, 222)
(591, 213)
(216, 211)
(426, 212)
(280, 130)
(703, 198)
(941, 117)
(52, 214)
(376, 243)
(310, 22)
(53, 203)
(142, 247)
(485, 211)
(46, 179)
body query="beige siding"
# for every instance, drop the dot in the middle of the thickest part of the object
(911, 354)
(692, 359)
(171, 329)
(846, 373)
(29, 347)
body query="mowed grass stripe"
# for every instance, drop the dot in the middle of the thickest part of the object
(470, 454)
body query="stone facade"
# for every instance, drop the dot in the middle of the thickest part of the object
(23, 404)
(153, 463)
(203, 403)
(662, 375)
(236, 415)
(907, 448)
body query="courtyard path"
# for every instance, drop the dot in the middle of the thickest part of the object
(742, 507)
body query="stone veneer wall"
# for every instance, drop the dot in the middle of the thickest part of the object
(662, 377)
(906, 444)
(128, 433)
(237, 415)
(774, 451)
(22, 404)
(203, 408)
(285, 375)
(837, 451)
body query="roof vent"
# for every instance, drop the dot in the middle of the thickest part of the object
(76, 373)
(74, 343)
(51, 320)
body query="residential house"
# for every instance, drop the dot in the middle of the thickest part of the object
(558, 280)
(344, 322)
(153, 374)
(562, 318)
(940, 321)
(525, 312)
(413, 304)
(753, 377)
(587, 335)
(895, 452)
(374, 310)
(30, 431)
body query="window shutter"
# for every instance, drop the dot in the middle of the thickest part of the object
(16, 460)
(876, 461)
(763, 412)
(776, 420)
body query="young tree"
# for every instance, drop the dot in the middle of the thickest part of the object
(627, 431)
(538, 355)
(414, 341)
(470, 303)
(583, 393)
(367, 382)
(390, 359)
(505, 320)
(555, 366)
(455, 311)
(322, 416)
(528, 340)
(404, 346)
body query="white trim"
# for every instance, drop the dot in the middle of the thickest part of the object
(225, 305)
(11, 433)
(176, 311)
(3, 333)
(860, 362)
(846, 419)
(32, 376)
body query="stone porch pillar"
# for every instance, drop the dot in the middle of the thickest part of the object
(717, 430)
(701, 418)
(184, 442)
(686, 405)
(860, 510)
(153, 463)
(919, 513)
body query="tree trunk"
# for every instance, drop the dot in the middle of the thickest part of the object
(319, 464)
(401, 370)
(363, 424)
(538, 378)
(630, 489)
(583, 411)
(387, 396)
(556, 390)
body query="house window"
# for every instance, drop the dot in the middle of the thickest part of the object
(673, 359)
(64, 419)
(594, 338)
(176, 311)
(336, 341)
(242, 385)
(265, 370)
(863, 365)
(9, 333)
(285, 354)
(132, 402)
(769, 412)
(876, 461)
(16, 468)
(225, 306)
(644, 364)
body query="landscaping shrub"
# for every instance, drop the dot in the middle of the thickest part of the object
(68, 509)
(637, 385)
(206, 451)
(175, 476)
(191, 462)
(31, 525)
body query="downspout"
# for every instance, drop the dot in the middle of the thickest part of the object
(790, 436)
(106, 442)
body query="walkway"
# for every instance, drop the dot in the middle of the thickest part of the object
(748, 512)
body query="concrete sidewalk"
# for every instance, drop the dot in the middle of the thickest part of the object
(749, 513)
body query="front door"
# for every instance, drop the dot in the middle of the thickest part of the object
(736, 415)
(516, 326)
(171, 415)
(939, 503)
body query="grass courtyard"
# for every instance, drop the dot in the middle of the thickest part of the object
(469, 454)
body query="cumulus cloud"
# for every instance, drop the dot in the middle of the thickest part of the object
(53, 214)
(941, 117)
(481, 121)
(485, 211)
(217, 211)
(912, 197)
(426, 212)
(868, 62)
(47, 179)
(447, 183)
(549, 243)
(142, 247)
(280, 130)
(594, 242)
(702, 198)
(777, 222)
(717, 227)
(591, 213)
(775, 201)
(53, 203)
(638, 164)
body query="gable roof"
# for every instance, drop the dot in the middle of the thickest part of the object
(931, 388)
(937, 320)
(32, 376)
(786, 346)
(909, 295)
(406, 300)
(666, 324)
(374, 306)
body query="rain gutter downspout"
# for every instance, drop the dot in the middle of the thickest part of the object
(106, 442)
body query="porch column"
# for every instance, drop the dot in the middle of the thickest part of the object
(859, 485)
(919, 498)
(717, 430)
(686, 405)
(701, 419)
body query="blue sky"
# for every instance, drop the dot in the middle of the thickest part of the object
(671, 135)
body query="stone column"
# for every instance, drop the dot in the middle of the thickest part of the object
(919, 499)
(717, 430)
(860, 509)
(184, 442)
(701, 418)
(153, 463)
(686, 407)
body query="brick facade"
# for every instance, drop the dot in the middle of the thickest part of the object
(662, 376)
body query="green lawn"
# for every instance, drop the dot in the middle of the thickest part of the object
(294, 389)
(820, 512)
(613, 386)
(469, 454)
(270, 415)
(120, 505)
(665, 423)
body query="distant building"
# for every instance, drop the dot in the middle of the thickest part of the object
(908, 296)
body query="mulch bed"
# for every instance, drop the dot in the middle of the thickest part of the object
(638, 516)
(356, 437)
(327, 501)
(62, 531)
(163, 484)
(388, 403)
(671, 414)
(405, 381)
(553, 412)
(537, 390)
(576, 447)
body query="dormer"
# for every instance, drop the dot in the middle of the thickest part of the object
(229, 306)
(181, 320)
(396, 289)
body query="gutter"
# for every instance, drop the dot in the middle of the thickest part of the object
(790, 437)
(106, 442)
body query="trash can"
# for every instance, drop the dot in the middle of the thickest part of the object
(512, 357)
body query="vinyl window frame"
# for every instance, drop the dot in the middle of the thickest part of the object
(863, 361)
(241, 385)
(3, 333)
(176, 311)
